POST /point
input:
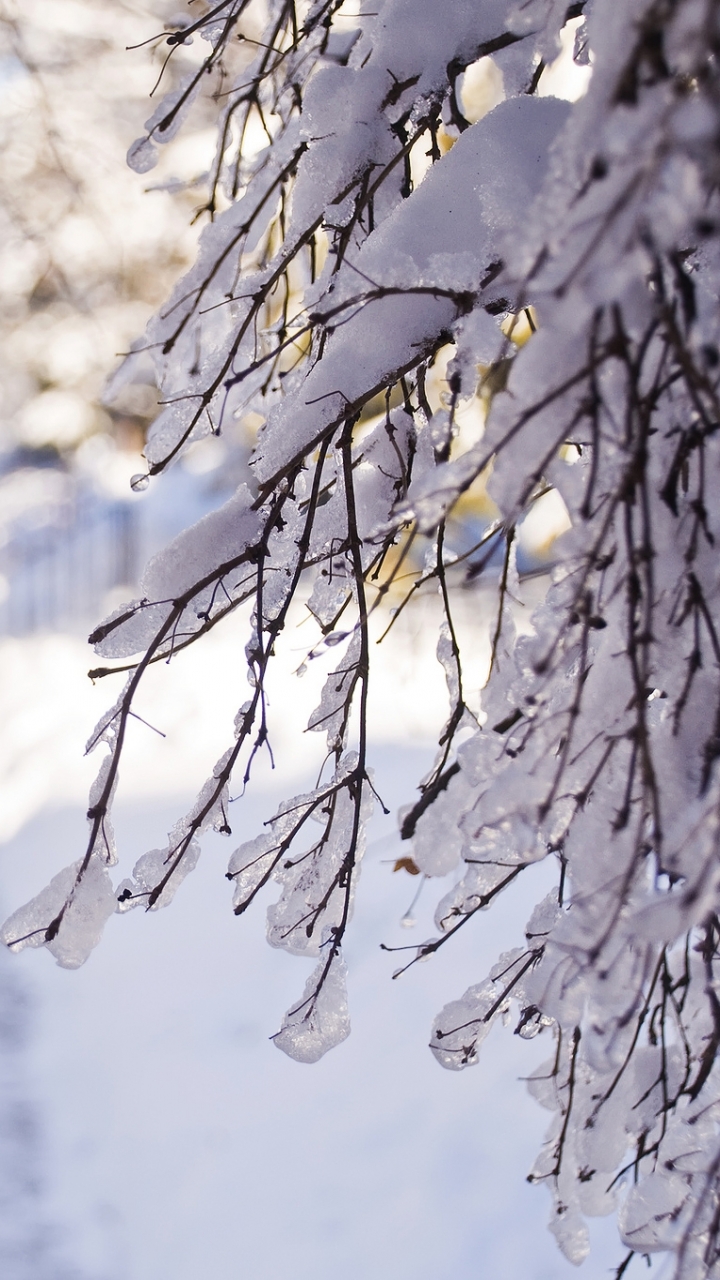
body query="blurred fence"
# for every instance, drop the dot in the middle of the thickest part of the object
(57, 574)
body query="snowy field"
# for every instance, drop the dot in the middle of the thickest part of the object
(164, 1136)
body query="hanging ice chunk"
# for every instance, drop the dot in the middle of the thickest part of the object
(106, 729)
(251, 866)
(82, 908)
(438, 842)
(331, 715)
(652, 1216)
(143, 155)
(329, 595)
(129, 629)
(163, 125)
(319, 886)
(321, 1020)
(463, 1024)
(570, 1230)
(171, 111)
(157, 875)
(544, 917)
(101, 828)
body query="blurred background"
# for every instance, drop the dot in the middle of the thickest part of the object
(148, 1127)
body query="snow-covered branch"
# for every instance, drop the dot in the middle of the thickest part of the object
(567, 254)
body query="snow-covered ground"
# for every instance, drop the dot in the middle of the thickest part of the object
(171, 1139)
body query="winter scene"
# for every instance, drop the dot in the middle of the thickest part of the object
(359, 596)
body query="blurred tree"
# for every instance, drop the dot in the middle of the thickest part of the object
(85, 254)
